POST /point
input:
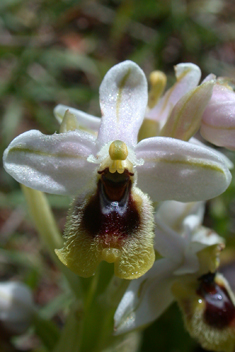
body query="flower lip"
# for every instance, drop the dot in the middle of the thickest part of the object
(114, 213)
(219, 308)
(112, 220)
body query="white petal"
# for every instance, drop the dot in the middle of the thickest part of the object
(191, 222)
(227, 161)
(200, 239)
(185, 118)
(167, 242)
(54, 164)
(189, 265)
(206, 237)
(188, 76)
(84, 120)
(123, 101)
(189, 262)
(210, 77)
(146, 298)
(180, 171)
(175, 222)
(173, 213)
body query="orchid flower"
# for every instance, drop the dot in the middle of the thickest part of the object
(180, 238)
(111, 218)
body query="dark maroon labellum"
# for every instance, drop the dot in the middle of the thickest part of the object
(112, 212)
(220, 311)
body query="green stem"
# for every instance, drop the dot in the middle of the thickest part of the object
(103, 296)
(114, 292)
(91, 290)
(46, 226)
(109, 300)
(46, 330)
(70, 338)
(106, 332)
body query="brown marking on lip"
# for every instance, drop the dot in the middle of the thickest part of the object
(219, 309)
(112, 213)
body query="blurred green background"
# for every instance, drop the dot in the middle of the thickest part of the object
(58, 52)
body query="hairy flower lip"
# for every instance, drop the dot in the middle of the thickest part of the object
(128, 230)
(115, 219)
(219, 309)
(208, 308)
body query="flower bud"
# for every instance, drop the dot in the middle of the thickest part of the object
(16, 307)
(218, 120)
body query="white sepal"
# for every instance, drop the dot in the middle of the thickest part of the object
(123, 101)
(146, 298)
(178, 170)
(54, 164)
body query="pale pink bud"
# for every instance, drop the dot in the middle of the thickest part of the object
(218, 120)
